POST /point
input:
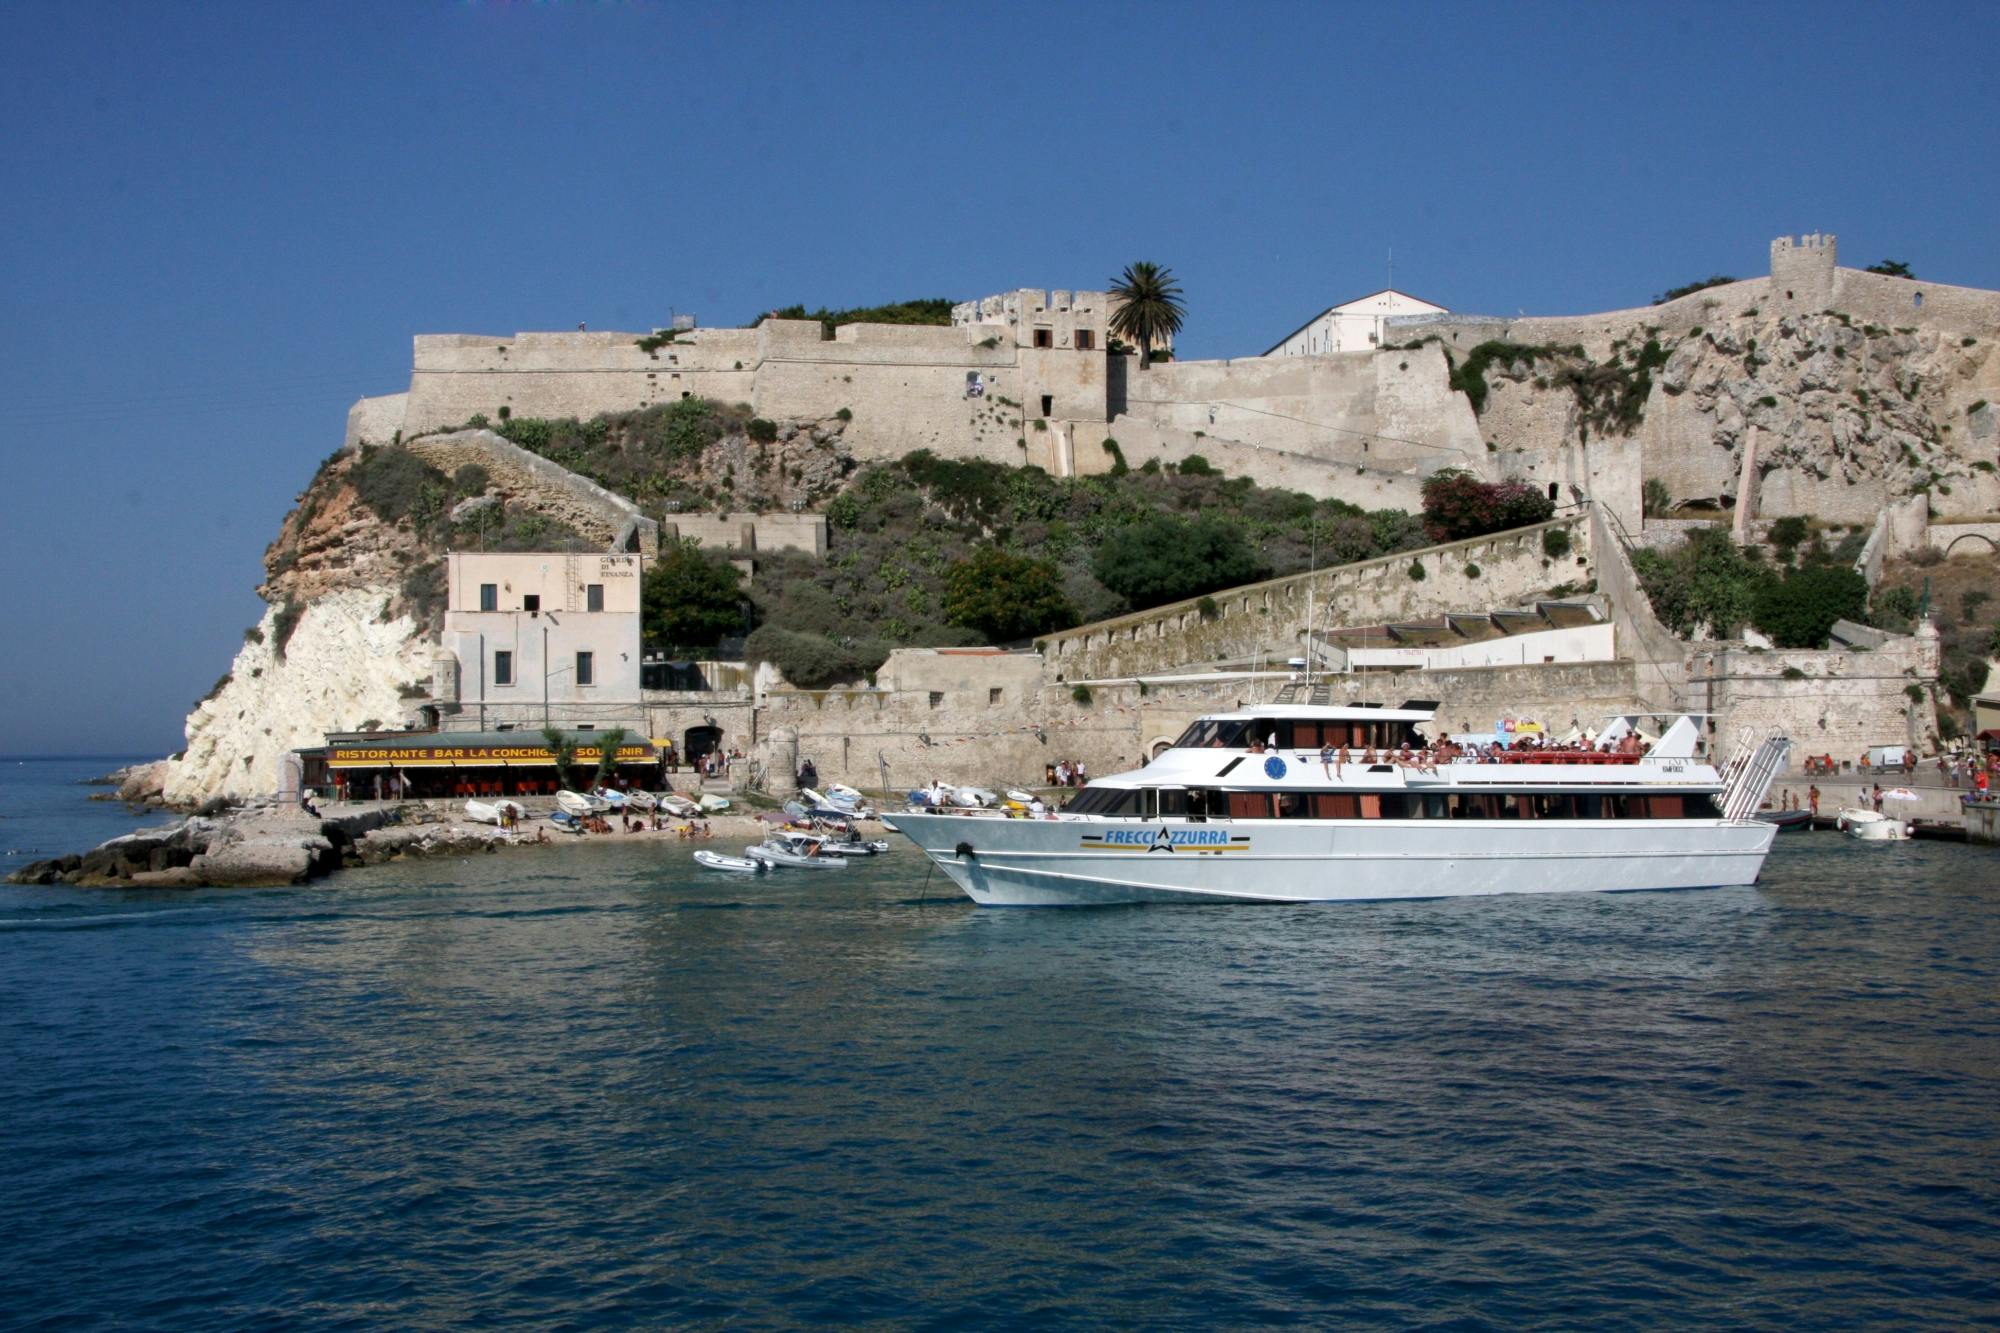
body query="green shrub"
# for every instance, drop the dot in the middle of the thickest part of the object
(1689, 289)
(423, 591)
(1798, 610)
(1655, 499)
(1005, 596)
(1416, 571)
(284, 623)
(470, 479)
(1207, 609)
(1162, 558)
(762, 431)
(1555, 543)
(1472, 571)
(845, 414)
(812, 661)
(1788, 532)
(253, 635)
(1457, 505)
(394, 483)
(1793, 673)
(1081, 694)
(1194, 465)
(1118, 468)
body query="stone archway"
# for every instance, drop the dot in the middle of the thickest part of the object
(1992, 547)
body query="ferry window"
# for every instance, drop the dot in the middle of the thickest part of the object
(1192, 737)
(1305, 735)
(1371, 805)
(1249, 805)
(1293, 805)
(1197, 804)
(1122, 803)
(593, 597)
(503, 668)
(1666, 807)
(1173, 803)
(489, 597)
(1231, 735)
(1148, 804)
(1336, 805)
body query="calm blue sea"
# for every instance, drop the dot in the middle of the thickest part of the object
(595, 1088)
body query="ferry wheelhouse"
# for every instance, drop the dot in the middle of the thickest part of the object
(1259, 806)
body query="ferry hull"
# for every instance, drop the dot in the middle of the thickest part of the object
(1068, 863)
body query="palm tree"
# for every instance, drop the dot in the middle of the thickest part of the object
(1149, 307)
(607, 758)
(562, 749)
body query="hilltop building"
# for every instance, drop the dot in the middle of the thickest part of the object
(1354, 326)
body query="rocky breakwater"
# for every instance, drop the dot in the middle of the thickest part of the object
(262, 846)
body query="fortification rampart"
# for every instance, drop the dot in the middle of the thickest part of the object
(611, 521)
(1266, 620)
(1831, 702)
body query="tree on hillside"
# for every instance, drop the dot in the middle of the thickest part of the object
(1891, 268)
(1162, 559)
(1689, 289)
(1150, 309)
(1006, 596)
(1458, 505)
(1798, 610)
(690, 599)
(1708, 582)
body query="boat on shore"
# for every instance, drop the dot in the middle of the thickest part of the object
(1872, 826)
(493, 812)
(1243, 808)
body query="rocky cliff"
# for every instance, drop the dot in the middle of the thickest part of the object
(1820, 414)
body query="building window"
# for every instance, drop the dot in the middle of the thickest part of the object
(993, 696)
(503, 668)
(532, 602)
(1045, 338)
(489, 597)
(1086, 340)
(937, 698)
(583, 669)
(593, 597)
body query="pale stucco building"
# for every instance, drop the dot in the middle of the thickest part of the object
(1354, 326)
(541, 638)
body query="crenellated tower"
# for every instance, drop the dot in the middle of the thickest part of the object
(1802, 272)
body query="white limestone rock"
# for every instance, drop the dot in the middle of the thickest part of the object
(343, 666)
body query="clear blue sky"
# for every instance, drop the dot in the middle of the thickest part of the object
(223, 222)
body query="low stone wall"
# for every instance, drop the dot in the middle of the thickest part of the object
(1268, 619)
(610, 520)
(1976, 538)
(750, 532)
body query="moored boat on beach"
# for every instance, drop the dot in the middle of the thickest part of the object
(1872, 826)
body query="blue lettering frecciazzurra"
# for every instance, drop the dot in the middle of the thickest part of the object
(1180, 837)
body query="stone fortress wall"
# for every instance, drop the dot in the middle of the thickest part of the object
(1267, 621)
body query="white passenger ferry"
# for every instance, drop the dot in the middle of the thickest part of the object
(1243, 807)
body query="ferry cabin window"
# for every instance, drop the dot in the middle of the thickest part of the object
(1210, 734)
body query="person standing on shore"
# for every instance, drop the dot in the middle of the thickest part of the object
(1812, 798)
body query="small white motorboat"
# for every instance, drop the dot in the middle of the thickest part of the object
(614, 800)
(640, 800)
(679, 806)
(713, 803)
(566, 822)
(842, 794)
(483, 812)
(975, 797)
(576, 803)
(741, 865)
(1872, 826)
(784, 853)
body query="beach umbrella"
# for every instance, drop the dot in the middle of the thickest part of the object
(1900, 794)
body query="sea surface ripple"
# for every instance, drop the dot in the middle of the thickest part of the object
(599, 1088)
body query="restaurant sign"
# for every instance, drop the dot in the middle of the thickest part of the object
(474, 756)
